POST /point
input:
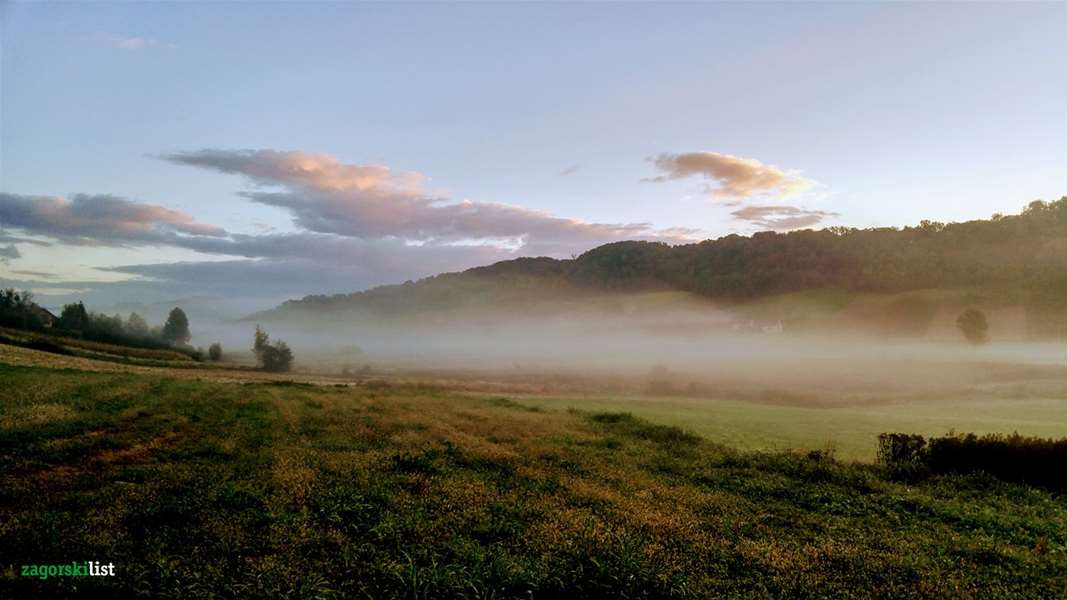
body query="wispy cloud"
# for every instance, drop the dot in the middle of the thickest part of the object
(124, 42)
(33, 274)
(58, 291)
(298, 266)
(734, 178)
(376, 202)
(8, 253)
(358, 226)
(782, 218)
(99, 219)
(15, 239)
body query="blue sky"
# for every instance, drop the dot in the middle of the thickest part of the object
(860, 114)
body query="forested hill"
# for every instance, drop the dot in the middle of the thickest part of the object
(1022, 256)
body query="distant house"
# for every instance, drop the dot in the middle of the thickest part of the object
(773, 329)
(751, 326)
(44, 315)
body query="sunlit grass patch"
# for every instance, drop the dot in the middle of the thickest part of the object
(293, 477)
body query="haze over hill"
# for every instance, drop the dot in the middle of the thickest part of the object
(1018, 259)
(725, 305)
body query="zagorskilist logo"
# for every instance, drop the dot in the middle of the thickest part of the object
(86, 568)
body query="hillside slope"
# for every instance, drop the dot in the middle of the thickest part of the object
(1019, 259)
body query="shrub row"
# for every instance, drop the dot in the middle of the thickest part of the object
(1030, 460)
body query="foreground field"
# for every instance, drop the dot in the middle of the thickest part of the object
(198, 489)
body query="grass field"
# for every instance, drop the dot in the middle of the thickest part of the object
(96, 350)
(224, 489)
(851, 431)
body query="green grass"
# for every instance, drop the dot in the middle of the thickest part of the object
(851, 430)
(199, 489)
(130, 355)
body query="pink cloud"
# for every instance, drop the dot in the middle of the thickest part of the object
(373, 201)
(736, 178)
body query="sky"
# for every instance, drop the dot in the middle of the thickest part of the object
(255, 152)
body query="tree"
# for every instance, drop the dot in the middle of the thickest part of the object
(12, 299)
(260, 341)
(18, 310)
(277, 357)
(74, 317)
(974, 326)
(176, 329)
(215, 351)
(136, 325)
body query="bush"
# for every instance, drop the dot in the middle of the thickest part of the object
(1029, 460)
(974, 326)
(215, 351)
(903, 455)
(276, 357)
(901, 448)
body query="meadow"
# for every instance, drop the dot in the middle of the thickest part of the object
(850, 431)
(94, 350)
(280, 489)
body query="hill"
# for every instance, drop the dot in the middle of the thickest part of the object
(1016, 259)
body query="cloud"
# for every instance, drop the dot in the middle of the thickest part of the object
(300, 264)
(9, 251)
(58, 291)
(736, 178)
(14, 239)
(34, 274)
(304, 261)
(316, 171)
(359, 226)
(279, 266)
(375, 202)
(99, 220)
(782, 218)
(387, 256)
(125, 42)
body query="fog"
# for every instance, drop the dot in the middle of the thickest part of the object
(680, 346)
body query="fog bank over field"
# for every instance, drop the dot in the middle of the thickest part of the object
(683, 342)
(836, 307)
(831, 305)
